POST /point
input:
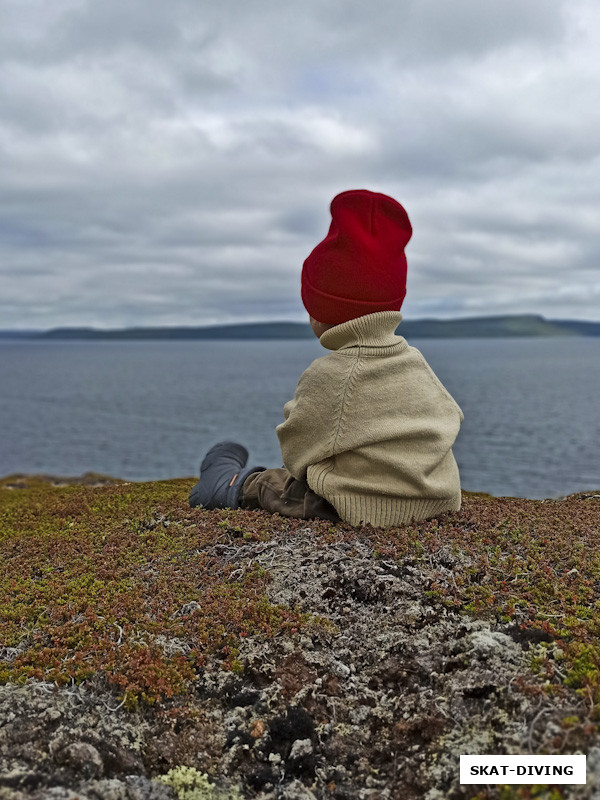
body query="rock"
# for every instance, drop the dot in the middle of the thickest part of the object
(487, 644)
(189, 608)
(297, 791)
(301, 748)
(109, 789)
(83, 758)
(144, 789)
(60, 793)
(340, 669)
(593, 769)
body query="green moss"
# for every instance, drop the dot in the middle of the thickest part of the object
(585, 666)
(570, 722)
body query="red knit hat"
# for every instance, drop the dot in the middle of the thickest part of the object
(360, 266)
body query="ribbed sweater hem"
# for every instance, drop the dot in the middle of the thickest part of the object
(385, 512)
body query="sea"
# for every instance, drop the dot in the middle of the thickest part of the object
(148, 410)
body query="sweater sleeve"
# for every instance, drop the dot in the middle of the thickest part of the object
(307, 435)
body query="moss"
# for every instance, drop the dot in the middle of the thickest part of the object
(584, 669)
(95, 579)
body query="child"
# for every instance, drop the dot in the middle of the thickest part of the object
(368, 435)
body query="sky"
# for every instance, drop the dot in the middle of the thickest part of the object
(173, 163)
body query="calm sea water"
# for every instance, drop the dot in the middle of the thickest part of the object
(148, 410)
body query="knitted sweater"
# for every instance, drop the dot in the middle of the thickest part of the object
(371, 428)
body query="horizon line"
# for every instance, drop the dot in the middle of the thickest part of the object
(530, 315)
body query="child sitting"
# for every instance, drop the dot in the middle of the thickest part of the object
(368, 436)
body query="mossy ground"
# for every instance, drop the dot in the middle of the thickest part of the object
(123, 588)
(98, 583)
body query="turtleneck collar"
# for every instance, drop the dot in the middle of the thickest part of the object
(373, 330)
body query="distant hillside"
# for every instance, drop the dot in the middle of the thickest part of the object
(249, 330)
(472, 327)
(18, 334)
(480, 327)
(578, 327)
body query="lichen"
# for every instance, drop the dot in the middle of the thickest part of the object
(190, 784)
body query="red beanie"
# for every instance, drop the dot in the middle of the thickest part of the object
(359, 267)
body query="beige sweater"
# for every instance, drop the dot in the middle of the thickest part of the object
(371, 427)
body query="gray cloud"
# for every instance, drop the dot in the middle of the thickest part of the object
(174, 163)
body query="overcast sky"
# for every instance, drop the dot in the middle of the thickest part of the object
(168, 163)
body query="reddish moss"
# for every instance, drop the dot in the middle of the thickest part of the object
(97, 580)
(96, 584)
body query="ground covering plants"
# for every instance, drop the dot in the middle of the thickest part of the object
(101, 585)
(276, 658)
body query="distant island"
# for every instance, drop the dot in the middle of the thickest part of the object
(471, 327)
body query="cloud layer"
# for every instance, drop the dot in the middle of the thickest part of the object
(173, 163)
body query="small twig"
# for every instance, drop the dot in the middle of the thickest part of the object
(120, 639)
(116, 708)
(540, 714)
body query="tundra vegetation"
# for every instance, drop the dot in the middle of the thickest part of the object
(150, 650)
